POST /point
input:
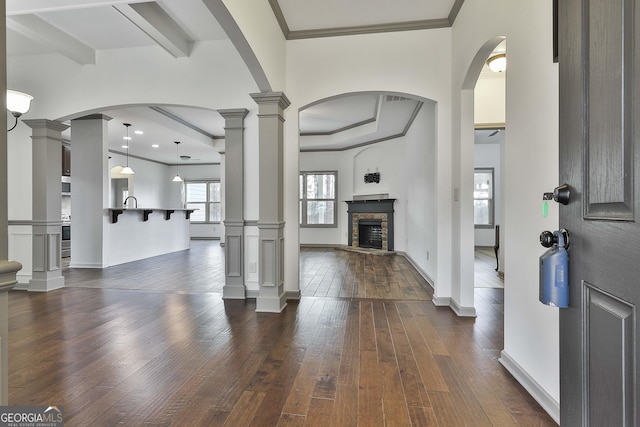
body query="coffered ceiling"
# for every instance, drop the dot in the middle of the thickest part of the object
(312, 18)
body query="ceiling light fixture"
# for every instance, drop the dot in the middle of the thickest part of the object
(177, 178)
(127, 170)
(498, 63)
(18, 103)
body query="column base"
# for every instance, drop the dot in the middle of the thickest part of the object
(233, 292)
(271, 304)
(46, 285)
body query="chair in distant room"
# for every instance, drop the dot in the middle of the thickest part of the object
(496, 246)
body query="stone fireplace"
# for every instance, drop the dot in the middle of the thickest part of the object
(370, 224)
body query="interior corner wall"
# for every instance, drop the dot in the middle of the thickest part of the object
(407, 167)
(421, 217)
(531, 168)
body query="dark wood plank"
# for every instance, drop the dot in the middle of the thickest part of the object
(367, 347)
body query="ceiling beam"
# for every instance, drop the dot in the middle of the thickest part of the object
(163, 117)
(157, 24)
(21, 7)
(45, 34)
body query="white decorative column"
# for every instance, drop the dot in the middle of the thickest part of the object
(8, 270)
(271, 107)
(222, 194)
(46, 136)
(234, 287)
(90, 191)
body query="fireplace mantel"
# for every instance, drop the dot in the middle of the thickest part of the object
(377, 207)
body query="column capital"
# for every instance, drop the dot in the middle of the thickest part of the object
(233, 118)
(233, 113)
(270, 98)
(45, 124)
(94, 117)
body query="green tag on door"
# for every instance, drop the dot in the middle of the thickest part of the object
(545, 209)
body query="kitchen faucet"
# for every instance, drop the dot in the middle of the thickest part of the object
(134, 199)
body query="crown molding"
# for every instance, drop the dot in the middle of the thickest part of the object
(374, 141)
(426, 24)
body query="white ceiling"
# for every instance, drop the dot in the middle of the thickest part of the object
(80, 28)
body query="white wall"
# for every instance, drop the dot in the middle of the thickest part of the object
(151, 182)
(489, 99)
(419, 168)
(19, 173)
(531, 167)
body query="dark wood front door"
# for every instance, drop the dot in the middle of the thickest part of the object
(599, 159)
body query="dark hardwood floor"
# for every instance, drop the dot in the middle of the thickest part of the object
(152, 343)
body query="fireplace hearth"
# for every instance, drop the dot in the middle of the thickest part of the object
(371, 224)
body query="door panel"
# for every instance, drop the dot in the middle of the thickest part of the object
(610, 351)
(609, 140)
(599, 57)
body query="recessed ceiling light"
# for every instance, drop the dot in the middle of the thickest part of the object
(155, 146)
(126, 138)
(125, 146)
(139, 132)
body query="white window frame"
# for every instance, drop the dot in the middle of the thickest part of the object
(490, 199)
(206, 204)
(303, 200)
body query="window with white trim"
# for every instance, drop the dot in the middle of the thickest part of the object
(483, 202)
(205, 198)
(318, 203)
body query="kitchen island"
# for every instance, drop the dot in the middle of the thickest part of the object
(138, 233)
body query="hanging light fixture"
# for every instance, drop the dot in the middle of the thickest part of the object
(177, 178)
(498, 63)
(18, 103)
(127, 170)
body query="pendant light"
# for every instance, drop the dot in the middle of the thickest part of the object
(127, 170)
(177, 178)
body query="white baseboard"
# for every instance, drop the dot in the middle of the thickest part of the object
(441, 301)
(462, 311)
(424, 275)
(548, 403)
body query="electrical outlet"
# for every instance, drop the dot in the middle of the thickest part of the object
(427, 255)
(253, 267)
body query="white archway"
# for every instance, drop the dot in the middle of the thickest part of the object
(463, 230)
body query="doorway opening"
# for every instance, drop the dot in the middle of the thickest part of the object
(489, 138)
